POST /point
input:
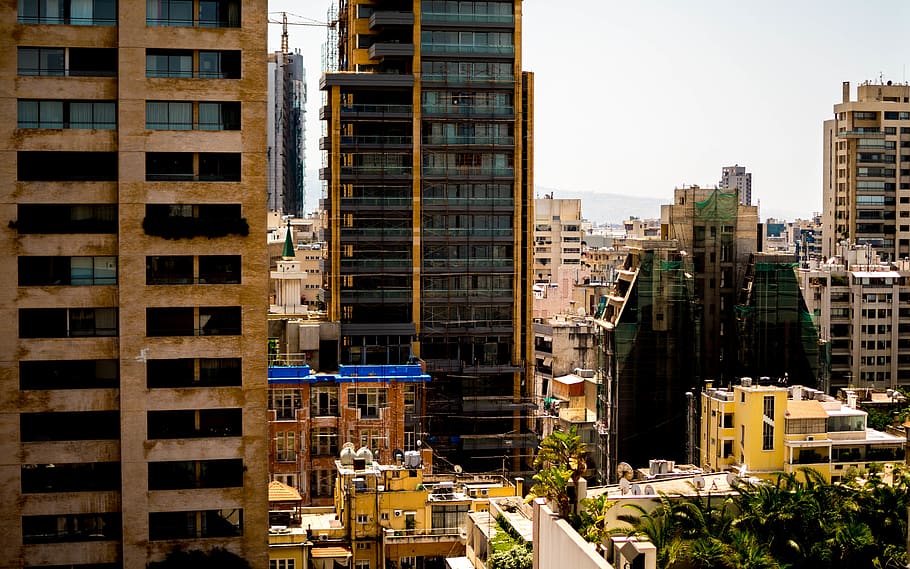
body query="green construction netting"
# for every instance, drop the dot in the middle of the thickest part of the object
(719, 205)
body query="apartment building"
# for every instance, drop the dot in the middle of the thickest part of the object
(861, 307)
(763, 430)
(429, 200)
(736, 178)
(557, 237)
(286, 132)
(311, 414)
(132, 373)
(866, 170)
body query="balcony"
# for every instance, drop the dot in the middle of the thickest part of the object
(861, 134)
(475, 20)
(390, 18)
(386, 50)
(368, 142)
(469, 140)
(462, 49)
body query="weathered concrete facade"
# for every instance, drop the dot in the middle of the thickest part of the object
(158, 365)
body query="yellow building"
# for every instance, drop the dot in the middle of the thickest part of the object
(763, 430)
(397, 515)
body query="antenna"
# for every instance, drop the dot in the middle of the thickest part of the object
(284, 32)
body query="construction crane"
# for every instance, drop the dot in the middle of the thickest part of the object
(304, 21)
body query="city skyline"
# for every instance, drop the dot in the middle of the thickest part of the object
(728, 77)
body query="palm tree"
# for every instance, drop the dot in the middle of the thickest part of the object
(553, 483)
(563, 450)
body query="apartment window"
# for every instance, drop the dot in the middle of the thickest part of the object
(101, 115)
(190, 474)
(285, 403)
(286, 447)
(189, 166)
(368, 400)
(324, 441)
(209, 13)
(69, 426)
(178, 115)
(449, 517)
(219, 64)
(324, 401)
(169, 270)
(193, 372)
(227, 522)
(185, 221)
(70, 477)
(53, 166)
(282, 564)
(71, 527)
(410, 398)
(73, 12)
(219, 269)
(65, 219)
(212, 321)
(68, 374)
(61, 271)
(74, 61)
(187, 424)
(67, 322)
(169, 63)
(371, 438)
(767, 436)
(322, 482)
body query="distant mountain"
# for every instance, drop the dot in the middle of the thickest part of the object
(603, 207)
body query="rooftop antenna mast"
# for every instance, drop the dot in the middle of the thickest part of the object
(284, 32)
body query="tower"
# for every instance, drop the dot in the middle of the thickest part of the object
(429, 212)
(133, 365)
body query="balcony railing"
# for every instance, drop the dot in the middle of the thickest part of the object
(376, 109)
(468, 49)
(507, 140)
(437, 17)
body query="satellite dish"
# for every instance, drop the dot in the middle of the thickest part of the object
(699, 481)
(624, 486)
(649, 489)
(636, 490)
(458, 469)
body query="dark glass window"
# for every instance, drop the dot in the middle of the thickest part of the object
(92, 62)
(219, 116)
(219, 269)
(71, 477)
(185, 221)
(169, 166)
(169, 115)
(41, 61)
(183, 424)
(67, 322)
(169, 322)
(169, 270)
(100, 115)
(219, 320)
(169, 13)
(219, 13)
(62, 219)
(219, 166)
(168, 63)
(189, 372)
(219, 64)
(58, 271)
(52, 166)
(71, 527)
(68, 374)
(186, 474)
(191, 525)
(69, 426)
(73, 12)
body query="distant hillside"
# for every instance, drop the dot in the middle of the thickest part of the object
(603, 207)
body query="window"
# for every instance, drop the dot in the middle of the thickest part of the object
(184, 166)
(178, 115)
(69, 426)
(100, 115)
(219, 269)
(73, 12)
(71, 527)
(186, 424)
(70, 477)
(68, 374)
(363, 519)
(324, 441)
(449, 517)
(281, 564)
(286, 448)
(195, 524)
(64, 219)
(184, 221)
(190, 474)
(368, 400)
(190, 372)
(321, 483)
(67, 322)
(61, 271)
(219, 64)
(410, 398)
(767, 437)
(324, 401)
(284, 402)
(168, 63)
(768, 422)
(169, 270)
(209, 13)
(74, 61)
(212, 321)
(53, 166)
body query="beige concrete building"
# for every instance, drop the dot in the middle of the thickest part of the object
(866, 170)
(134, 281)
(557, 237)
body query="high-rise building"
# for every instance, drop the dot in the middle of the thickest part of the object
(133, 368)
(866, 187)
(736, 178)
(429, 207)
(287, 133)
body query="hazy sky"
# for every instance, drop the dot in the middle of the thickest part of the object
(640, 97)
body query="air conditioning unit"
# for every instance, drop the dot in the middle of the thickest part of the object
(810, 438)
(397, 513)
(484, 492)
(472, 492)
(323, 537)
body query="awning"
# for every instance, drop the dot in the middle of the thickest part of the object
(279, 492)
(326, 552)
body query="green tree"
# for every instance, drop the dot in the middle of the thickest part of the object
(517, 557)
(564, 450)
(553, 483)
